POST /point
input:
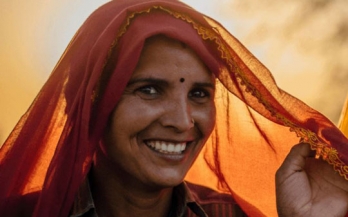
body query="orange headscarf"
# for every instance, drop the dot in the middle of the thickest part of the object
(49, 153)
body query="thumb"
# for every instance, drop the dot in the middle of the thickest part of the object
(295, 161)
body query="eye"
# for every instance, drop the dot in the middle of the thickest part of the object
(147, 92)
(200, 95)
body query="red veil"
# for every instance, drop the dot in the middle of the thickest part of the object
(49, 153)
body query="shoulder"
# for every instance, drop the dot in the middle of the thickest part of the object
(20, 205)
(214, 203)
(204, 195)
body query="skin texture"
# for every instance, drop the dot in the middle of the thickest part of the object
(309, 187)
(156, 106)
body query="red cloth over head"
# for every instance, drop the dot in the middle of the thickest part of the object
(50, 151)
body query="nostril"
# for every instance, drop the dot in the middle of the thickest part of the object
(178, 123)
(177, 115)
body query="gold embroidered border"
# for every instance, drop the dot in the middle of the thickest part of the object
(323, 150)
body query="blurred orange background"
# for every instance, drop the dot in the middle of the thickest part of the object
(303, 43)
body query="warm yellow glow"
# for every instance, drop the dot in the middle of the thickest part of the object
(33, 36)
(343, 122)
(302, 42)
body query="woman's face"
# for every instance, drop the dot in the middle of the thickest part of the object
(164, 117)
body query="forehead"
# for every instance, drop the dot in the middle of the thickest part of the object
(167, 57)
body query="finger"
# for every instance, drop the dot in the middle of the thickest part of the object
(321, 170)
(292, 184)
(295, 161)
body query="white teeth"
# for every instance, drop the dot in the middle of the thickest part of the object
(163, 147)
(158, 145)
(167, 147)
(170, 147)
(177, 148)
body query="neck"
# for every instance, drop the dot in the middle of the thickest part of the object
(118, 194)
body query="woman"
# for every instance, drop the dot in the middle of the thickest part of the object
(129, 106)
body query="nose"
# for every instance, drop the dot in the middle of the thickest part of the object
(178, 115)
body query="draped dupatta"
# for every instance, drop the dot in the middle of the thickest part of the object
(50, 151)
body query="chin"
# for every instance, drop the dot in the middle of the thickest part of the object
(169, 180)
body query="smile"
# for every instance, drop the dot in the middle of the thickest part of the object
(167, 147)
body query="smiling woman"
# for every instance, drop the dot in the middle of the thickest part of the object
(143, 90)
(151, 130)
(151, 140)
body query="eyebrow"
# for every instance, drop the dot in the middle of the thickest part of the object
(148, 80)
(205, 85)
(166, 83)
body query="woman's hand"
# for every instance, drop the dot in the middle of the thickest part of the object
(309, 187)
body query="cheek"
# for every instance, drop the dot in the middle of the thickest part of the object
(132, 116)
(208, 119)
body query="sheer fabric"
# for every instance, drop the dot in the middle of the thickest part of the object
(49, 153)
